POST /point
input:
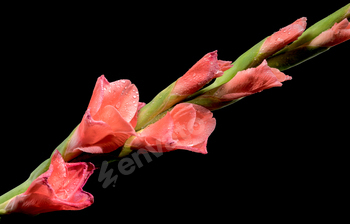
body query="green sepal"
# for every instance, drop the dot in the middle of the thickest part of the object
(212, 103)
(43, 167)
(63, 146)
(294, 57)
(3, 206)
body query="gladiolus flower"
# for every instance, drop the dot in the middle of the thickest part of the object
(339, 33)
(59, 188)
(187, 126)
(283, 37)
(109, 120)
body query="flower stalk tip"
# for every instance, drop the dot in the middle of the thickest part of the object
(317, 39)
(319, 27)
(262, 50)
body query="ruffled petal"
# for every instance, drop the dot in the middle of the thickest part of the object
(44, 196)
(192, 131)
(120, 94)
(250, 81)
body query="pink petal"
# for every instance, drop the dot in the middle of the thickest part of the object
(111, 116)
(78, 174)
(101, 136)
(224, 65)
(42, 196)
(251, 81)
(98, 95)
(198, 148)
(281, 77)
(192, 131)
(184, 116)
(133, 122)
(160, 130)
(200, 74)
(59, 171)
(121, 94)
(339, 33)
(284, 36)
(156, 137)
(89, 131)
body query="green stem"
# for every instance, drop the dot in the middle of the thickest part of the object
(24, 186)
(294, 57)
(159, 103)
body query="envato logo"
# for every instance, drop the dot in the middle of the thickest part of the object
(127, 165)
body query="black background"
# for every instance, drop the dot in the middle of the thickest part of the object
(273, 155)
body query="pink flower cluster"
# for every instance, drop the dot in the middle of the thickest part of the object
(112, 114)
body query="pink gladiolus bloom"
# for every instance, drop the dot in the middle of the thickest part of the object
(284, 36)
(206, 69)
(59, 188)
(186, 126)
(339, 33)
(109, 120)
(251, 81)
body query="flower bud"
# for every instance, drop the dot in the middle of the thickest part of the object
(206, 69)
(245, 83)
